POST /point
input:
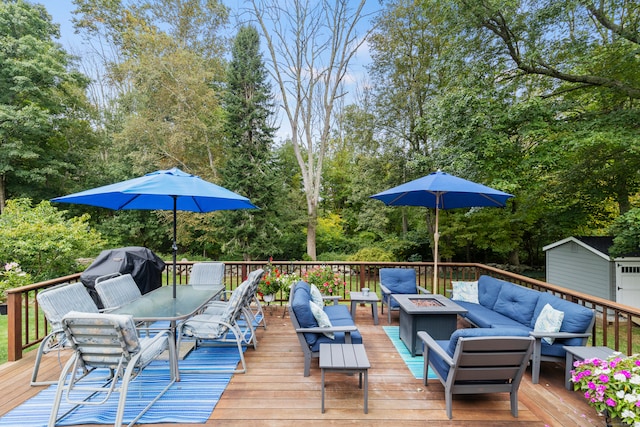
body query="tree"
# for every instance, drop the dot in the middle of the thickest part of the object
(43, 242)
(40, 101)
(626, 234)
(248, 166)
(310, 44)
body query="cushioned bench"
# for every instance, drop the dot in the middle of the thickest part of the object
(316, 323)
(552, 321)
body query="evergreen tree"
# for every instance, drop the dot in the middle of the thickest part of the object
(249, 168)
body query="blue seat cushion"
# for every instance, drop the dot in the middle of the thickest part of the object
(339, 337)
(302, 310)
(483, 317)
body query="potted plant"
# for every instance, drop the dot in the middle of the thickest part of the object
(11, 276)
(611, 386)
(270, 283)
(328, 282)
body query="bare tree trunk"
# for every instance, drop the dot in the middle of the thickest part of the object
(310, 43)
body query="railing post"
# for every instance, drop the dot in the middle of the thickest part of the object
(14, 325)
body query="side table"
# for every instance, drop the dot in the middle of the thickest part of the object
(360, 298)
(347, 359)
(581, 353)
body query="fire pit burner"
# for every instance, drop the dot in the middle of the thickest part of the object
(422, 302)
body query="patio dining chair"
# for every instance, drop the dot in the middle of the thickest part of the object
(109, 342)
(55, 303)
(117, 291)
(207, 274)
(221, 329)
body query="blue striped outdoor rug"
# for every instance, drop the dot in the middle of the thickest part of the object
(415, 363)
(191, 400)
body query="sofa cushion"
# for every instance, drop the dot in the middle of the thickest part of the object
(339, 337)
(465, 291)
(322, 318)
(488, 290)
(577, 318)
(549, 320)
(302, 310)
(483, 317)
(338, 312)
(517, 303)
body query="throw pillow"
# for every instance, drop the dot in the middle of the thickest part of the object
(316, 296)
(321, 318)
(465, 291)
(549, 320)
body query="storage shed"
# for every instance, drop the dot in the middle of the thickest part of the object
(583, 264)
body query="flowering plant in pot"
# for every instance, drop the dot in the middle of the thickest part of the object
(328, 282)
(270, 284)
(611, 386)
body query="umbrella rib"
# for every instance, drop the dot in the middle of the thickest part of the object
(128, 201)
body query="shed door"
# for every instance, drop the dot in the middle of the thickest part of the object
(628, 284)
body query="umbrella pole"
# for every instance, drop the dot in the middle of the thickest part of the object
(436, 239)
(175, 245)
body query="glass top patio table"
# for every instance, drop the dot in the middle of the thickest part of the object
(159, 304)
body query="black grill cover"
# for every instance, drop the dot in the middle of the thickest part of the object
(144, 266)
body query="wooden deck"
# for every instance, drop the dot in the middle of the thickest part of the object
(274, 392)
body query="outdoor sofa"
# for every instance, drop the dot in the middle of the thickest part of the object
(331, 324)
(553, 322)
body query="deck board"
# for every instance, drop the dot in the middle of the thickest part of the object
(274, 391)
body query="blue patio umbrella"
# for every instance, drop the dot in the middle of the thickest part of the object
(170, 189)
(440, 190)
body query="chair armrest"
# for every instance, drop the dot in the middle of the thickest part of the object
(432, 345)
(334, 298)
(319, 330)
(422, 290)
(384, 289)
(558, 335)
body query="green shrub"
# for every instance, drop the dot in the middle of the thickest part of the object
(372, 254)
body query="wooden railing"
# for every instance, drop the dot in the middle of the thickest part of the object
(616, 325)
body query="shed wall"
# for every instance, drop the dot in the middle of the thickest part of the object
(574, 267)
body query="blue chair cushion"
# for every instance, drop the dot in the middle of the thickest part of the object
(399, 280)
(484, 332)
(576, 317)
(302, 310)
(483, 317)
(488, 290)
(339, 337)
(517, 303)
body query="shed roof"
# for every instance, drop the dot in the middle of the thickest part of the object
(599, 245)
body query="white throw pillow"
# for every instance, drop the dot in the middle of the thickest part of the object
(316, 296)
(321, 318)
(465, 291)
(549, 320)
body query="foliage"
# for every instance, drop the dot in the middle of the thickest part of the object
(372, 254)
(248, 166)
(42, 105)
(12, 276)
(45, 243)
(328, 282)
(626, 234)
(611, 385)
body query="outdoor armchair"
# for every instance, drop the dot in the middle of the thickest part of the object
(55, 303)
(397, 281)
(476, 361)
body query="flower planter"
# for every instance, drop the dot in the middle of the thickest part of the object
(268, 298)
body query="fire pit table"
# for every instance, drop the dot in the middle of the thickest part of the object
(435, 314)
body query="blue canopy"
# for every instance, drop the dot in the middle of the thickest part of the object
(443, 191)
(170, 189)
(440, 190)
(158, 191)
